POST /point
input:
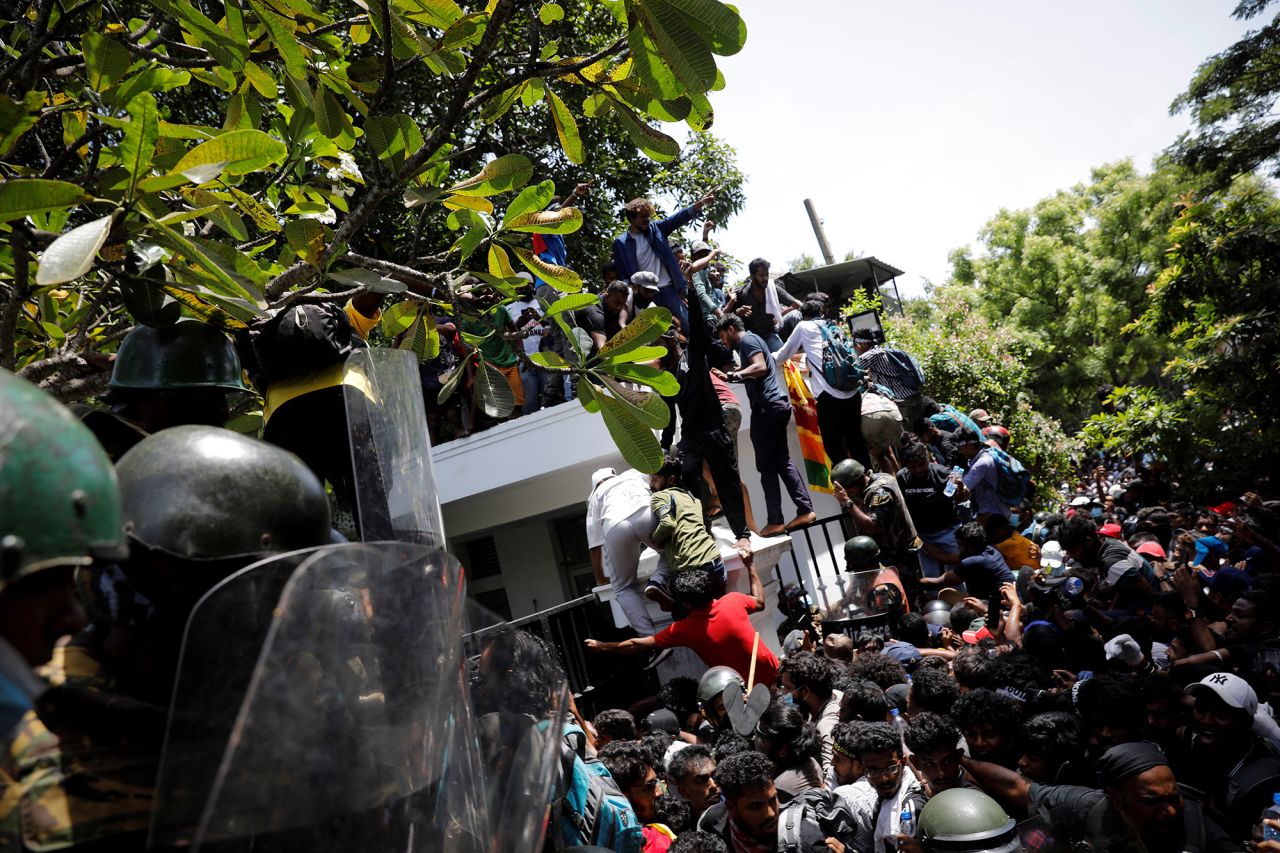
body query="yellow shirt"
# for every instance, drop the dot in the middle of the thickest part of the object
(1019, 552)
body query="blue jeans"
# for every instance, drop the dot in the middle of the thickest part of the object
(534, 379)
(946, 539)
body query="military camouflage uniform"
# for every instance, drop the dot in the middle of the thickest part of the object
(79, 771)
(897, 539)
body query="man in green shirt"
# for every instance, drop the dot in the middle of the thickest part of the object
(496, 351)
(682, 534)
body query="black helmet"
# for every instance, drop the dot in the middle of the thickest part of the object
(967, 821)
(715, 680)
(187, 354)
(203, 493)
(861, 551)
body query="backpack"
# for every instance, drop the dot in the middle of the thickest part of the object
(1013, 482)
(840, 366)
(908, 369)
(951, 419)
(813, 816)
(592, 810)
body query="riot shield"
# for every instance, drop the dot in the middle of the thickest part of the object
(357, 728)
(395, 485)
(859, 597)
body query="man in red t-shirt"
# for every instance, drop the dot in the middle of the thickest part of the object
(718, 629)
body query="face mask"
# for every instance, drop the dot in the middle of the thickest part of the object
(788, 699)
(1096, 512)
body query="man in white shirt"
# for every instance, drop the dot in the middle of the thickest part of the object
(619, 524)
(526, 315)
(839, 412)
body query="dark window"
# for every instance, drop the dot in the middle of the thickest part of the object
(482, 559)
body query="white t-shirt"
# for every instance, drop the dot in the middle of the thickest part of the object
(515, 309)
(807, 337)
(615, 499)
(646, 259)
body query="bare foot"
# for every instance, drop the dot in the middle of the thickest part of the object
(801, 520)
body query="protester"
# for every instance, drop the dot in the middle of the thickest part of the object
(680, 532)
(924, 485)
(643, 246)
(770, 414)
(896, 370)
(761, 304)
(620, 523)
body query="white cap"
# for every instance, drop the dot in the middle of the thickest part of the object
(1116, 491)
(600, 475)
(1081, 500)
(1232, 689)
(1125, 648)
(646, 280)
(1051, 556)
(699, 246)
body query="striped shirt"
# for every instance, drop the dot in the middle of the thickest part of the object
(896, 374)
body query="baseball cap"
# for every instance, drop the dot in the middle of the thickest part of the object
(600, 475)
(646, 280)
(980, 416)
(1225, 508)
(794, 643)
(1231, 689)
(1207, 545)
(698, 246)
(904, 653)
(1151, 549)
(973, 637)
(1111, 530)
(1081, 500)
(1052, 556)
(1230, 581)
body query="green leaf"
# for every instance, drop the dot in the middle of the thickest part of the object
(566, 128)
(648, 63)
(371, 281)
(566, 220)
(21, 197)
(105, 60)
(152, 79)
(72, 254)
(587, 396)
(701, 115)
(331, 119)
(648, 325)
(399, 317)
(531, 91)
(549, 360)
(561, 278)
(661, 381)
(572, 302)
(17, 117)
(455, 376)
(636, 442)
(138, 145)
(469, 242)
(189, 250)
(646, 406)
(261, 81)
(644, 353)
(237, 152)
(55, 333)
(494, 391)
(681, 46)
(653, 142)
(225, 49)
(499, 263)
(393, 137)
(422, 337)
(255, 210)
(719, 24)
(495, 108)
(550, 13)
(530, 199)
(147, 303)
(282, 39)
(505, 173)
(203, 310)
(434, 13)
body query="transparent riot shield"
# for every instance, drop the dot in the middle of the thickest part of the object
(395, 487)
(862, 595)
(357, 727)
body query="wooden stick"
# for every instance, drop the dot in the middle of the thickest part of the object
(751, 676)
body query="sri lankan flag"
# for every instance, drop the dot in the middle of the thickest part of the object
(817, 468)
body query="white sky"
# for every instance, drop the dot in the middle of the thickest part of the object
(910, 124)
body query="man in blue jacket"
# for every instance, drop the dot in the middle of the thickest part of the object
(643, 246)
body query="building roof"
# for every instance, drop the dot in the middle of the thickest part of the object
(840, 280)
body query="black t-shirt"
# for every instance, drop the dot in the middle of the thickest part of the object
(764, 393)
(984, 573)
(930, 509)
(761, 321)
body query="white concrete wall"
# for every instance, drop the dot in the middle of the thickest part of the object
(496, 481)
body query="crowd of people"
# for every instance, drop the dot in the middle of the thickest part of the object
(1097, 674)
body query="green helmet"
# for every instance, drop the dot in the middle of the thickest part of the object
(967, 821)
(715, 680)
(203, 493)
(188, 354)
(59, 504)
(847, 472)
(861, 550)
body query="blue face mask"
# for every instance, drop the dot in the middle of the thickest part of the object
(1096, 512)
(787, 699)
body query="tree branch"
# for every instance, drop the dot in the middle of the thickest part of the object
(18, 294)
(541, 69)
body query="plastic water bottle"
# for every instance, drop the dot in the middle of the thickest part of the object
(895, 720)
(1270, 833)
(952, 485)
(907, 821)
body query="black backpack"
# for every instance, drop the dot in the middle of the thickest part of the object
(811, 818)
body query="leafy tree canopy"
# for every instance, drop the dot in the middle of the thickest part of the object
(224, 160)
